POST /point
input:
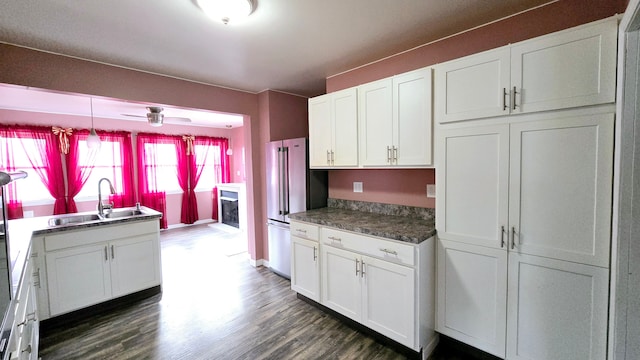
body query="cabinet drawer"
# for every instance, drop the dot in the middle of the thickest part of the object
(372, 246)
(304, 230)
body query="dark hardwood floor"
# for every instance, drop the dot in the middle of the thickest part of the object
(215, 306)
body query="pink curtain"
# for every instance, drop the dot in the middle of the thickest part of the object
(148, 191)
(120, 148)
(220, 162)
(46, 161)
(76, 175)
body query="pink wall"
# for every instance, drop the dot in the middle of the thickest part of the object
(383, 183)
(174, 201)
(21, 66)
(389, 186)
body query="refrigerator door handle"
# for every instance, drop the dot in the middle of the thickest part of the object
(280, 207)
(285, 186)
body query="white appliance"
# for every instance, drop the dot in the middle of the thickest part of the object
(291, 188)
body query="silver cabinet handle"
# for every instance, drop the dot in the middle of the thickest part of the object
(332, 157)
(390, 252)
(357, 270)
(504, 99)
(335, 238)
(362, 269)
(502, 236)
(36, 278)
(388, 154)
(513, 237)
(395, 154)
(514, 98)
(106, 254)
(302, 231)
(328, 158)
(113, 253)
(315, 253)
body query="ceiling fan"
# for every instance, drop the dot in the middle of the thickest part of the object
(155, 116)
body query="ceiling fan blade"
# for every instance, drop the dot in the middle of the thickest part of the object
(138, 116)
(180, 119)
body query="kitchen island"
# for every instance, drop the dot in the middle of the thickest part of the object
(69, 262)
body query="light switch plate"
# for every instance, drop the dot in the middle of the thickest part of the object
(357, 187)
(431, 190)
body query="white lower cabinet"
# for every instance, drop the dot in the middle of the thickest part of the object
(472, 294)
(556, 309)
(377, 293)
(305, 267)
(87, 267)
(24, 338)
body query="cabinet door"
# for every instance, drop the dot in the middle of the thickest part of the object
(560, 188)
(345, 127)
(305, 267)
(568, 69)
(320, 131)
(557, 309)
(388, 299)
(473, 87)
(376, 128)
(341, 281)
(472, 295)
(78, 277)
(472, 191)
(412, 119)
(134, 264)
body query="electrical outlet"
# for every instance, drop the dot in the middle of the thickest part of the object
(357, 186)
(431, 190)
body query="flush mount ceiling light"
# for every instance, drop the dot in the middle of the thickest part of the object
(155, 116)
(226, 11)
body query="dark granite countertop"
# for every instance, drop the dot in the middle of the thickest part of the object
(402, 228)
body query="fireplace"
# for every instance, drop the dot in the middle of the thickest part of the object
(229, 205)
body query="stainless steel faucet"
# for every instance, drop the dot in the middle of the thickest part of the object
(102, 206)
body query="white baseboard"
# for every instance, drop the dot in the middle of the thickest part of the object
(181, 225)
(259, 262)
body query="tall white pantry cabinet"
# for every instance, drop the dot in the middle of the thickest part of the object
(524, 200)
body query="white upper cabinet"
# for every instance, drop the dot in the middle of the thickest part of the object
(395, 119)
(475, 86)
(571, 68)
(375, 105)
(333, 130)
(412, 118)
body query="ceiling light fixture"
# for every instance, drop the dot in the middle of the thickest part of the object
(93, 140)
(155, 116)
(226, 11)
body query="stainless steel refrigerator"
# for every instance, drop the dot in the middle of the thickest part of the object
(291, 188)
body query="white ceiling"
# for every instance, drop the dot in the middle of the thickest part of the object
(285, 45)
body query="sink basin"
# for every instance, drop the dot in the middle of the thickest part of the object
(75, 219)
(122, 213)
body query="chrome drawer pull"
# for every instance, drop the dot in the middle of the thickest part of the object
(390, 252)
(302, 231)
(357, 262)
(335, 238)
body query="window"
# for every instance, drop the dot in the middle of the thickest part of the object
(14, 158)
(161, 167)
(106, 163)
(208, 158)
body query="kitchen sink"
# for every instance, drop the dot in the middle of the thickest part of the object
(122, 213)
(75, 219)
